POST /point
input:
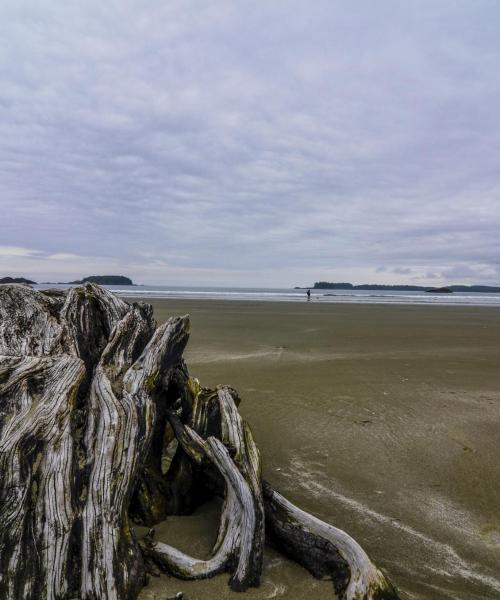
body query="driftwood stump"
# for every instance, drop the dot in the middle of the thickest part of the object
(101, 424)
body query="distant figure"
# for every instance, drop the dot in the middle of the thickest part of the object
(308, 295)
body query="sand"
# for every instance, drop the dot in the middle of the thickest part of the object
(383, 420)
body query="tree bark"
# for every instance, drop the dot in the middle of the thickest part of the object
(122, 410)
(77, 409)
(100, 423)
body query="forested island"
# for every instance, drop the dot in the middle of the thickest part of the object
(99, 280)
(17, 280)
(326, 285)
(105, 280)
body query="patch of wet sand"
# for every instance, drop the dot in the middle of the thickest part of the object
(382, 420)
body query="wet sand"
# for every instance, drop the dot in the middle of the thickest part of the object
(383, 420)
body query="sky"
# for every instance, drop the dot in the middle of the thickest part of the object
(269, 143)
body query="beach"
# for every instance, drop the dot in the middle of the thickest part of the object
(382, 420)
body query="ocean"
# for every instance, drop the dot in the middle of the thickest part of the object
(294, 295)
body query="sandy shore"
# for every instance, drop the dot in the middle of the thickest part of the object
(383, 420)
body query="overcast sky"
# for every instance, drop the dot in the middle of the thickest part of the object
(271, 143)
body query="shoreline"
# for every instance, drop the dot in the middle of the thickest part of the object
(338, 299)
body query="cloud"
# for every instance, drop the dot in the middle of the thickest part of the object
(251, 143)
(10, 251)
(465, 272)
(402, 270)
(65, 257)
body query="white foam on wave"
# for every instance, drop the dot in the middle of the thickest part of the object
(331, 299)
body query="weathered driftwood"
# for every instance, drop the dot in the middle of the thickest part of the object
(325, 551)
(233, 549)
(122, 412)
(165, 482)
(240, 541)
(37, 511)
(100, 423)
(77, 407)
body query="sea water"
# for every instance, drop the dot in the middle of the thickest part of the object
(299, 295)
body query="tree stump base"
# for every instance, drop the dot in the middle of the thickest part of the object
(101, 424)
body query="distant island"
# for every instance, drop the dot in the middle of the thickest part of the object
(326, 285)
(99, 279)
(17, 280)
(105, 280)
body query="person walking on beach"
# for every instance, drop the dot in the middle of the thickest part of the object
(308, 295)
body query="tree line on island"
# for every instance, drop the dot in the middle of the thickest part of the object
(326, 285)
(98, 279)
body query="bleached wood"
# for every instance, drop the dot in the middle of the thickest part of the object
(123, 413)
(325, 550)
(237, 524)
(237, 436)
(37, 512)
(76, 409)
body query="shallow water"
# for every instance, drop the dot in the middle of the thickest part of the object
(381, 420)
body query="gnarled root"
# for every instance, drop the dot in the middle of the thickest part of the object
(234, 550)
(324, 550)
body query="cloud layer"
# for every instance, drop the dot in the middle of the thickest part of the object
(242, 143)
